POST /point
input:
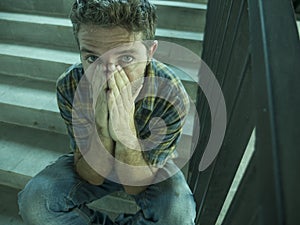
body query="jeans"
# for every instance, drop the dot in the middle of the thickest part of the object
(58, 196)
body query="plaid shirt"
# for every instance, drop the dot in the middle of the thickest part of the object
(164, 98)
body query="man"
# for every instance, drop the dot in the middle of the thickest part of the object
(124, 112)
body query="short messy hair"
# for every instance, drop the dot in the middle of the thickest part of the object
(133, 15)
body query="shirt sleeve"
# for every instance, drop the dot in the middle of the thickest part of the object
(64, 101)
(74, 117)
(163, 129)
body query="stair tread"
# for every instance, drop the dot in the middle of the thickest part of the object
(26, 151)
(64, 22)
(180, 4)
(28, 93)
(197, 36)
(31, 18)
(9, 206)
(59, 9)
(39, 53)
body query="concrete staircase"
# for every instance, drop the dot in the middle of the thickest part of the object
(36, 46)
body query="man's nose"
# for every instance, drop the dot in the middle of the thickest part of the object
(109, 68)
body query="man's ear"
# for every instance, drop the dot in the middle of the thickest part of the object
(152, 50)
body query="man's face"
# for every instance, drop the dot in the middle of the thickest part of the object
(111, 47)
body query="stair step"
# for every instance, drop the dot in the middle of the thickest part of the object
(176, 34)
(25, 151)
(53, 8)
(28, 93)
(39, 53)
(9, 207)
(61, 8)
(181, 15)
(191, 1)
(57, 32)
(36, 29)
(30, 103)
(39, 63)
(180, 4)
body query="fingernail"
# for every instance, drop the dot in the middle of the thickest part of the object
(110, 67)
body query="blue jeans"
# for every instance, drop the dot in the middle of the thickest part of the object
(58, 196)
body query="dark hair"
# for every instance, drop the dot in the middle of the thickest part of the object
(133, 15)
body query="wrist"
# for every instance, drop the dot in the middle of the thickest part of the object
(103, 133)
(107, 143)
(105, 137)
(128, 155)
(130, 143)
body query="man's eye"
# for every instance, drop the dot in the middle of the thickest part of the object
(91, 59)
(127, 59)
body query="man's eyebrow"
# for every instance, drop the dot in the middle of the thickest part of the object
(87, 50)
(130, 51)
(126, 51)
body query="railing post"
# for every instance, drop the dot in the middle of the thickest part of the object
(275, 51)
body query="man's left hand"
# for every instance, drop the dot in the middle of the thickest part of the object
(121, 108)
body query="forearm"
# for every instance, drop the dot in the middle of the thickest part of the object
(88, 173)
(136, 172)
(95, 165)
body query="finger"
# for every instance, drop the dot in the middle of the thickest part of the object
(98, 84)
(112, 105)
(119, 98)
(101, 104)
(122, 99)
(126, 94)
(101, 109)
(124, 81)
(113, 86)
(101, 116)
(119, 102)
(119, 78)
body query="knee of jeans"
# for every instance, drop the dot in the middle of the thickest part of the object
(177, 203)
(170, 207)
(181, 208)
(38, 203)
(31, 205)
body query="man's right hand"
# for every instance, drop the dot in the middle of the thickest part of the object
(99, 87)
(101, 109)
(101, 113)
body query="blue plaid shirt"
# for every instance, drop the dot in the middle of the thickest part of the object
(165, 98)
